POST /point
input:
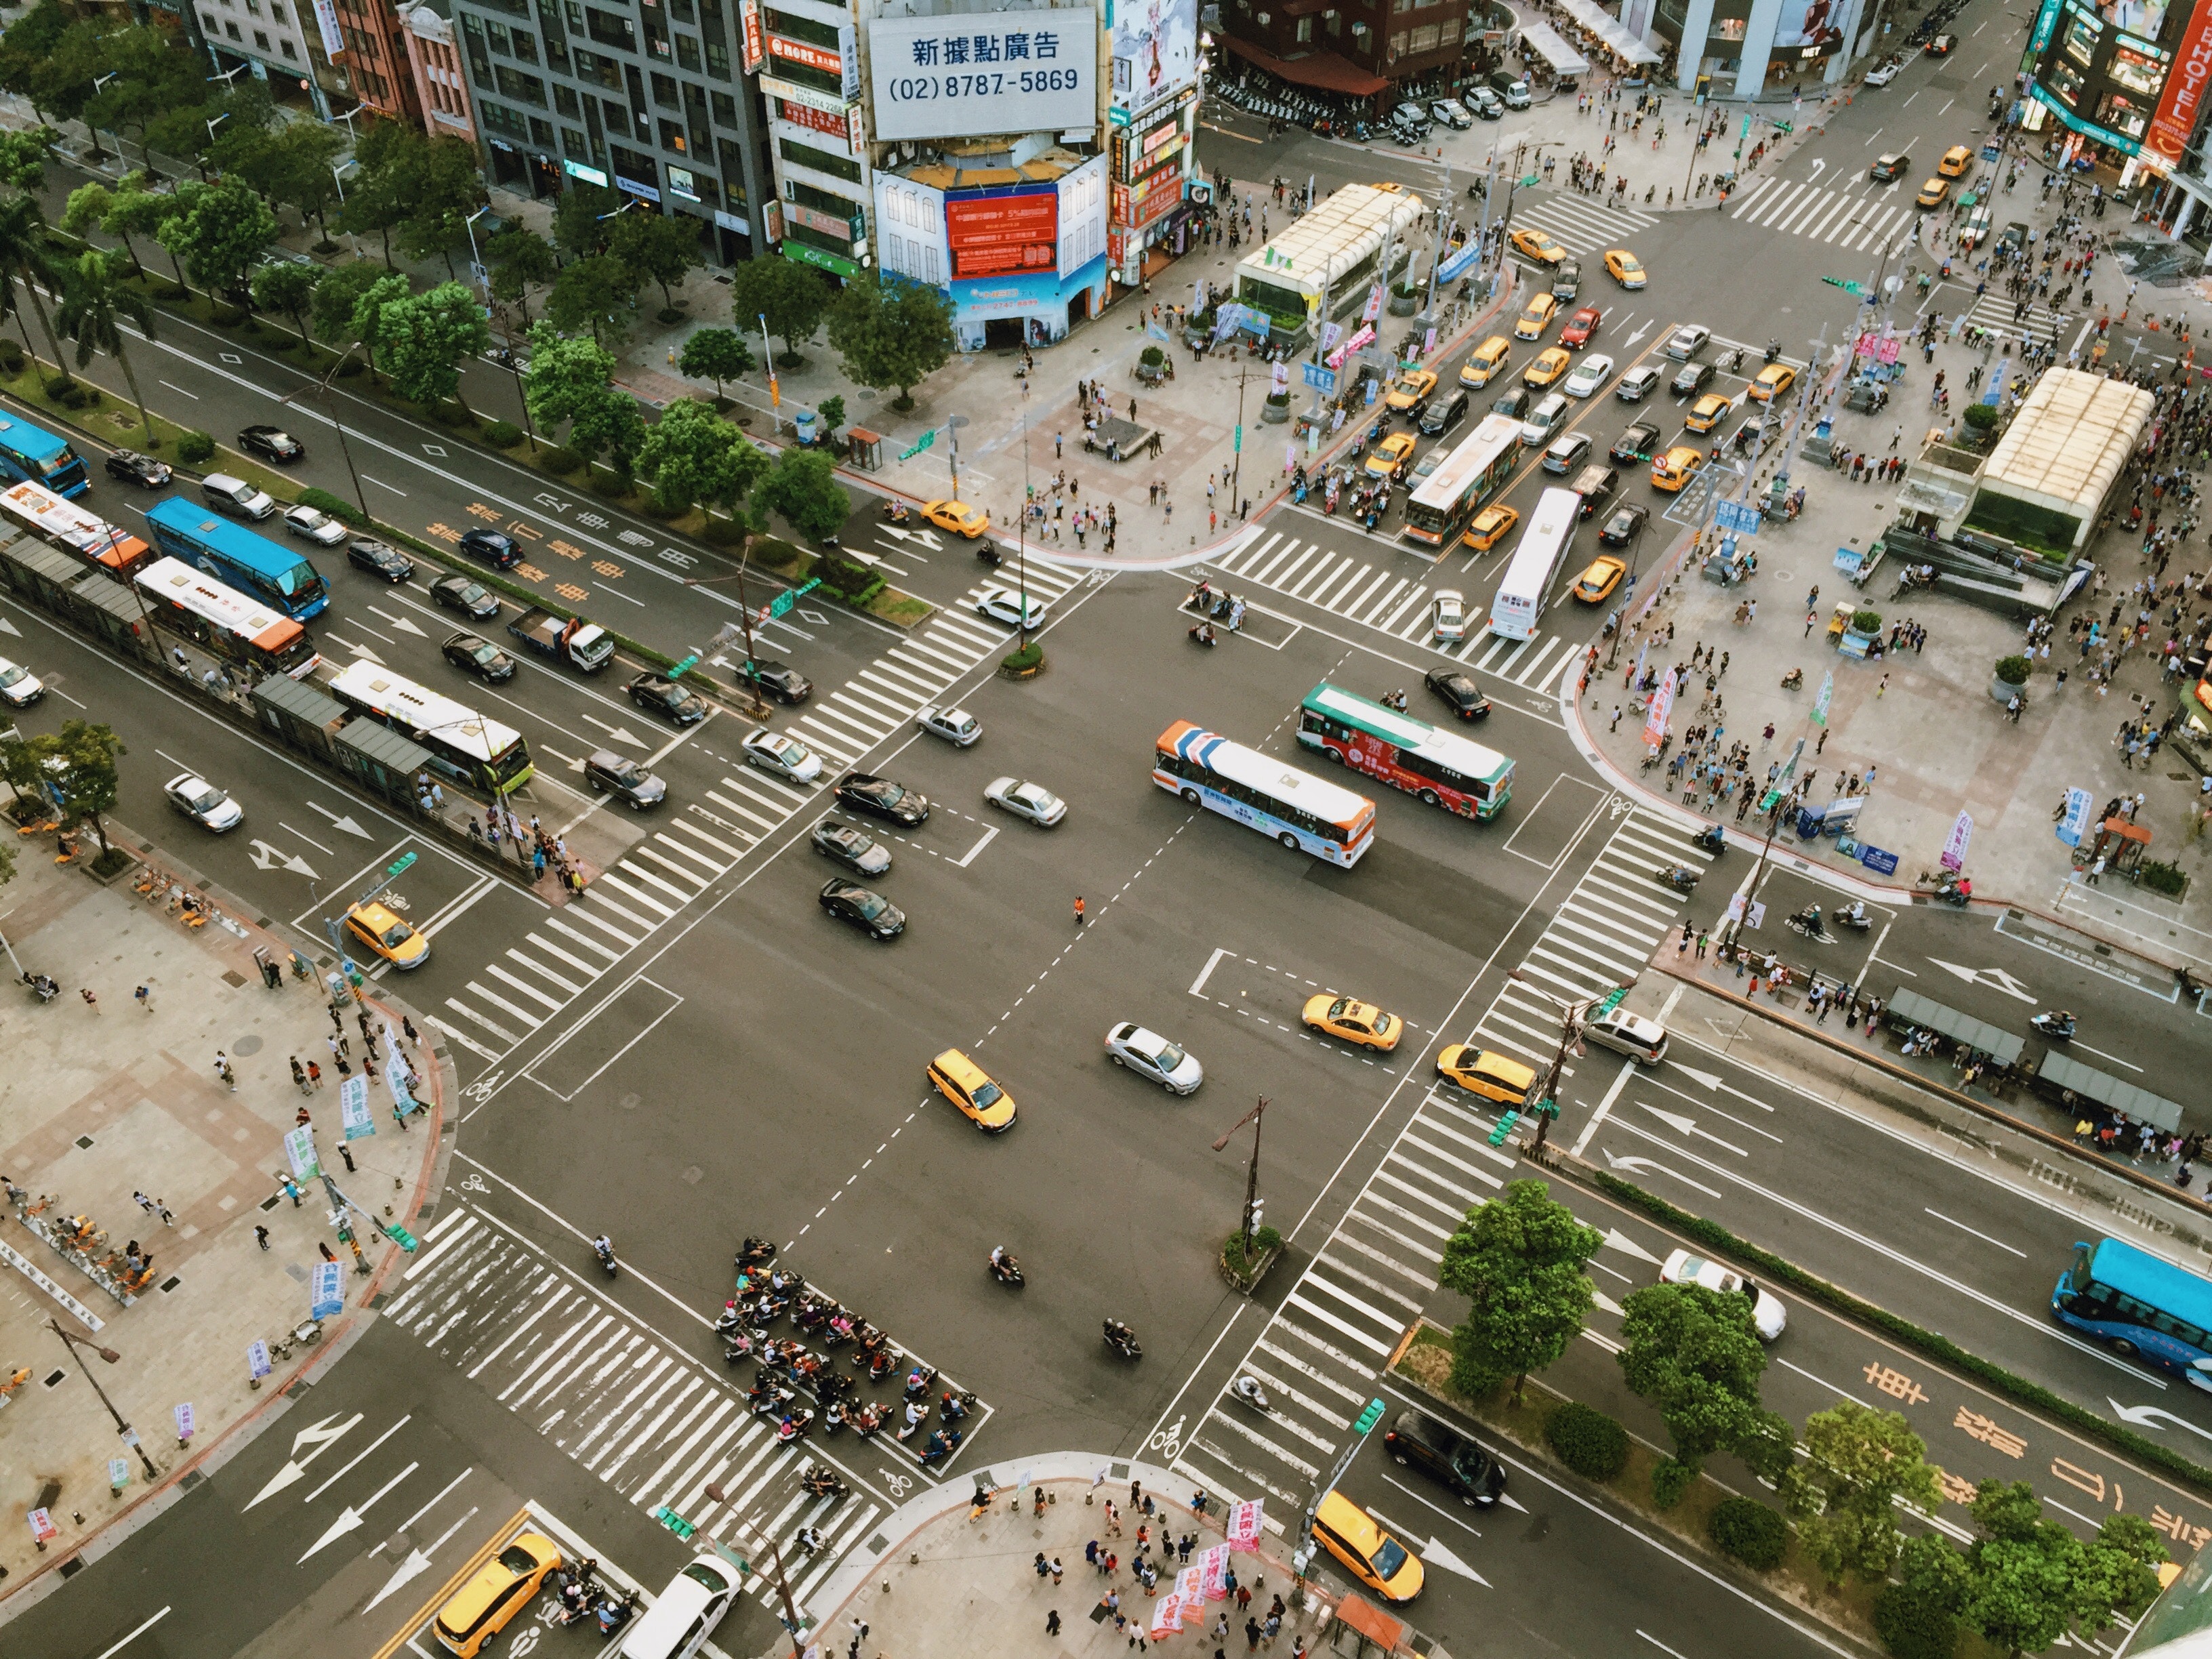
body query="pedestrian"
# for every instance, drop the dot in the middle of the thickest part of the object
(223, 1070)
(1090, 1553)
(90, 1000)
(346, 1152)
(1883, 688)
(1057, 1570)
(407, 1029)
(1079, 923)
(1052, 1619)
(261, 1236)
(143, 1202)
(162, 1210)
(1042, 1567)
(325, 1250)
(145, 995)
(291, 1189)
(301, 1120)
(314, 1075)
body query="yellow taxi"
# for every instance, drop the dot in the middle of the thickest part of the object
(1542, 312)
(1671, 471)
(1933, 193)
(1484, 361)
(1390, 456)
(1372, 1556)
(1408, 389)
(958, 517)
(1708, 412)
(1491, 525)
(973, 1089)
(1550, 363)
(1624, 267)
(1955, 161)
(1603, 575)
(1355, 1021)
(1773, 381)
(378, 929)
(505, 1586)
(1538, 246)
(1485, 1072)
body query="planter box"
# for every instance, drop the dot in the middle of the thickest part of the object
(1029, 673)
(1405, 306)
(1249, 1282)
(110, 879)
(1274, 414)
(2002, 692)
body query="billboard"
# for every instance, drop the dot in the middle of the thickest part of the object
(991, 234)
(1817, 24)
(972, 74)
(754, 34)
(2184, 97)
(1155, 49)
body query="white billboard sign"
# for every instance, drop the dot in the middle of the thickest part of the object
(984, 73)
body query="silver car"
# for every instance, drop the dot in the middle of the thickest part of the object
(310, 526)
(1643, 1041)
(1155, 1058)
(781, 756)
(1032, 801)
(1688, 341)
(202, 803)
(1004, 604)
(955, 726)
(1448, 614)
(19, 687)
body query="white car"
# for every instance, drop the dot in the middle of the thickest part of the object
(202, 803)
(19, 687)
(1452, 113)
(1688, 341)
(1637, 384)
(1768, 1315)
(683, 1616)
(1883, 73)
(1590, 377)
(317, 527)
(1152, 1057)
(1032, 801)
(1448, 614)
(1004, 604)
(955, 726)
(781, 756)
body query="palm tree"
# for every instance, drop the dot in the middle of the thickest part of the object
(23, 257)
(95, 302)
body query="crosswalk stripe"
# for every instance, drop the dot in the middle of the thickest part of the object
(1758, 189)
(1350, 582)
(770, 790)
(608, 878)
(1324, 571)
(542, 970)
(704, 1424)
(1356, 609)
(1536, 662)
(729, 805)
(1311, 1471)
(634, 867)
(589, 971)
(869, 700)
(582, 941)
(1411, 600)
(697, 855)
(685, 824)
(1283, 560)
(1349, 1330)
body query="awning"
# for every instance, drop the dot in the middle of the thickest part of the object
(1324, 69)
(1609, 29)
(1914, 1009)
(2121, 829)
(1377, 1627)
(2090, 1084)
(1548, 43)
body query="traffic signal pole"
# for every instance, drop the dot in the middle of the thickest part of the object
(1302, 1557)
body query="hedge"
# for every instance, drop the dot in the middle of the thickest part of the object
(1586, 1441)
(1749, 1531)
(1903, 1331)
(195, 449)
(502, 434)
(338, 506)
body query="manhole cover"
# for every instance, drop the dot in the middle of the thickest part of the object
(437, 450)
(693, 1176)
(629, 1103)
(246, 1045)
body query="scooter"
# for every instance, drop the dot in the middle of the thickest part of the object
(1202, 634)
(1954, 894)
(614, 1614)
(744, 1345)
(2057, 1026)
(941, 1444)
(878, 1362)
(1123, 1341)
(865, 1420)
(820, 1480)
(769, 1399)
(794, 1427)
(755, 1253)
(1679, 878)
(1710, 839)
(605, 1252)
(45, 988)
(918, 1382)
(1004, 1267)
(897, 512)
(990, 555)
(1856, 919)
(1247, 1391)
(954, 1407)
(1773, 350)
(1806, 925)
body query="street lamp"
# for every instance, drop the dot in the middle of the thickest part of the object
(1572, 1013)
(475, 260)
(322, 389)
(110, 1357)
(1252, 1176)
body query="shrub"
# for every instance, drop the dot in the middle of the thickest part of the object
(721, 532)
(1264, 1239)
(224, 315)
(114, 859)
(1280, 399)
(849, 580)
(1749, 1531)
(11, 357)
(1022, 661)
(58, 386)
(501, 434)
(1982, 416)
(560, 462)
(1866, 622)
(1671, 1479)
(1151, 356)
(653, 508)
(350, 368)
(1915, 1624)
(669, 314)
(2167, 877)
(337, 506)
(195, 449)
(2013, 671)
(1586, 1441)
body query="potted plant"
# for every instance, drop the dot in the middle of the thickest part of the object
(1405, 300)
(1152, 365)
(1277, 409)
(2006, 681)
(1865, 628)
(1981, 425)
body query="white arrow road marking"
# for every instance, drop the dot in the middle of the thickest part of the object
(1618, 1239)
(318, 1435)
(358, 650)
(371, 1447)
(618, 733)
(1646, 1163)
(2148, 1417)
(338, 823)
(1688, 1125)
(350, 1517)
(1436, 1555)
(1609, 1304)
(403, 623)
(1641, 331)
(266, 857)
(1708, 1079)
(1996, 978)
(417, 1562)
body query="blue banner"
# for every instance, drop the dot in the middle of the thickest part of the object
(1459, 260)
(2046, 21)
(1998, 382)
(1881, 863)
(2076, 821)
(1321, 379)
(327, 1291)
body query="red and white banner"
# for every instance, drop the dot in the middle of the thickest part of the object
(1244, 1521)
(1662, 706)
(1213, 1566)
(2182, 101)
(1954, 846)
(1360, 337)
(1190, 1584)
(756, 37)
(1167, 1616)
(1374, 307)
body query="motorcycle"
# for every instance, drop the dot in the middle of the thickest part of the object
(794, 1427)
(1123, 1341)
(613, 1614)
(2057, 1026)
(732, 1320)
(820, 1480)
(1201, 632)
(1955, 894)
(990, 555)
(784, 1284)
(755, 1253)
(1710, 839)
(1807, 924)
(840, 1329)
(954, 1407)
(831, 1385)
(1773, 350)
(941, 1444)
(897, 512)
(1005, 1269)
(768, 1307)
(744, 1345)
(832, 1417)
(603, 1248)
(1735, 362)
(1855, 918)
(812, 1313)
(769, 1399)
(1680, 878)
(865, 1420)
(879, 1362)
(1793, 679)
(918, 1382)
(1247, 1390)
(916, 1415)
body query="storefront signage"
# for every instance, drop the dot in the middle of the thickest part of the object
(648, 191)
(792, 93)
(976, 74)
(808, 254)
(756, 37)
(815, 120)
(848, 49)
(799, 51)
(326, 21)
(2047, 21)
(731, 221)
(1155, 52)
(773, 213)
(2090, 129)
(1138, 205)
(1013, 231)
(589, 175)
(828, 224)
(2184, 98)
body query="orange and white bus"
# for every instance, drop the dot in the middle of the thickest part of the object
(224, 622)
(1439, 512)
(1297, 809)
(61, 523)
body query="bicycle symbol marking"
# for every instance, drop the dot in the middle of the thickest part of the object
(474, 1183)
(483, 1087)
(898, 1484)
(1169, 1441)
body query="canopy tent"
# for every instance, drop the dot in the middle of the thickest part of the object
(1611, 30)
(1324, 69)
(2092, 1084)
(1911, 1008)
(1548, 43)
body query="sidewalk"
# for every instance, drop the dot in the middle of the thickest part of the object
(110, 1101)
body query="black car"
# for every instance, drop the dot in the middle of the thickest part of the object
(626, 780)
(880, 798)
(667, 699)
(1639, 443)
(841, 843)
(129, 466)
(1442, 1453)
(1460, 690)
(1514, 403)
(1624, 526)
(494, 548)
(781, 681)
(1443, 414)
(470, 599)
(1691, 378)
(479, 657)
(1594, 484)
(271, 443)
(377, 559)
(865, 909)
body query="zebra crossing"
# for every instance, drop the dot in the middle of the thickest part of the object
(1579, 224)
(1848, 219)
(1995, 311)
(687, 850)
(1364, 591)
(1322, 1355)
(653, 1424)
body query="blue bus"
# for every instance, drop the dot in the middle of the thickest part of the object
(36, 456)
(233, 554)
(2142, 1306)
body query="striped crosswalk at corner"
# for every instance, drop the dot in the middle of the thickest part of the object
(1322, 1355)
(1581, 225)
(685, 851)
(1361, 588)
(1850, 218)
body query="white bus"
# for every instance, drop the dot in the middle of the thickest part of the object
(1544, 543)
(224, 620)
(1448, 498)
(1301, 811)
(464, 745)
(62, 523)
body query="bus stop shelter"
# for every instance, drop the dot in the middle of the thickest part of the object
(1911, 1008)
(2063, 1072)
(1549, 45)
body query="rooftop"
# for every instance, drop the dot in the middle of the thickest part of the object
(2071, 438)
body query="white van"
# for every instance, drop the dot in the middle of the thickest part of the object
(235, 496)
(677, 1624)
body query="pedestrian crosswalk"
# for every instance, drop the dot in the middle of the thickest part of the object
(655, 1425)
(2002, 314)
(1848, 219)
(1581, 224)
(1322, 1354)
(1362, 588)
(687, 850)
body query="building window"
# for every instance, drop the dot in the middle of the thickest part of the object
(590, 66)
(541, 133)
(799, 28)
(1398, 44)
(687, 52)
(680, 10)
(253, 7)
(261, 39)
(523, 88)
(805, 155)
(501, 41)
(718, 59)
(231, 29)
(499, 119)
(573, 142)
(672, 138)
(208, 18)
(285, 46)
(1450, 30)
(664, 90)
(1305, 28)
(1423, 39)
(1333, 23)
(564, 101)
(525, 45)
(725, 109)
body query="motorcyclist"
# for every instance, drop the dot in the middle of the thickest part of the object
(603, 1247)
(1809, 918)
(1855, 914)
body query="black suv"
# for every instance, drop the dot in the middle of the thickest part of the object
(1444, 1454)
(494, 548)
(785, 684)
(626, 780)
(1443, 414)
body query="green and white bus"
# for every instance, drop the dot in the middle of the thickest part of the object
(1440, 768)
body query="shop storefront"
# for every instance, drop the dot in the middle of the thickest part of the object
(2118, 88)
(1756, 49)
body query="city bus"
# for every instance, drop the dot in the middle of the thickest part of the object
(224, 622)
(1441, 767)
(234, 555)
(1441, 509)
(464, 745)
(37, 456)
(1544, 543)
(62, 524)
(1299, 811)
(2142, 1306)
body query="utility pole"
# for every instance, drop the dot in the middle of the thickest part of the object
(1571, 1015)
(1236, 456)
(776, 1571)
(322, 392)
(1302, 1554)
(110, 1357)
(1252, 1176)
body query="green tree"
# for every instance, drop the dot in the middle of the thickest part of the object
(367, 324)
(27, 46)
(892, 334)
(288, 289)
(659, 246)
(802, 490)
(87, 210)
(790, 296)
(338, 297)
(2030, 1581)
(134, 207)
(598, 293)
(86, 778)
(716, 354)
(1857, 1461)
(289, 164)
(1518, 1261)
(141, 77)
(520, 259)
(581, 219)
(571, 379)
(831, 409)
(1693, 1354)
(23, 258)
(425, 339)
(96, 300)
(220, 234)
(1917, 1616)
(192, 128)
(692, 454)
(382, 198)
(444, 185)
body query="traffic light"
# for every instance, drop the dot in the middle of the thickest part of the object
(1504, 1128)
(675, 1522)
(1546, 1107)
(1369, 1417)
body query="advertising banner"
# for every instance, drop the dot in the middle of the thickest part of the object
(1828, 695)
(989, 235)
(353, 1108)
(814, 120)
(257, 1358)
(1954, 845)
(1155, 51)
(1662, 706)
(326, 1294)
(300, 1150)
(800, 52)
(756, 37)
(326, 23)
(2183, 100)
(1244, 1521)
(2071, 827)
(972, 74)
